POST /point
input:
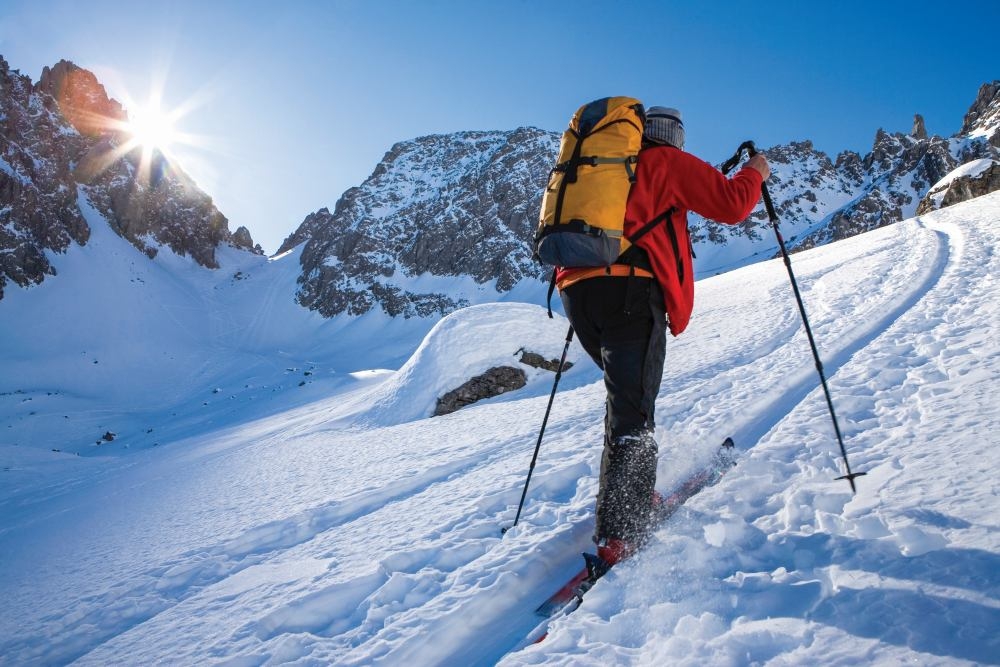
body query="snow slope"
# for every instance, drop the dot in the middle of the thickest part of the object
(157, 350)
(341, 531)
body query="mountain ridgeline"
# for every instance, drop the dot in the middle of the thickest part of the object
(443, 221)
(462, 204)
(466, 205)
(63, 148)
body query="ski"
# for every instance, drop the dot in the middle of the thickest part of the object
(565, 600)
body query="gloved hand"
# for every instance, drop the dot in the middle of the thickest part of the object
(759, 162)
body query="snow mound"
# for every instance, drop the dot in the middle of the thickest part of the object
(461, 346)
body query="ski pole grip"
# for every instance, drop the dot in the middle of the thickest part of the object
(728, 165)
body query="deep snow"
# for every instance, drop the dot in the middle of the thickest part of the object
(335, 523)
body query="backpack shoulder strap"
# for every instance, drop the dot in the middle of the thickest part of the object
(649, 226)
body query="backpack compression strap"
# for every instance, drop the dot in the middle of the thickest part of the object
(593, 160)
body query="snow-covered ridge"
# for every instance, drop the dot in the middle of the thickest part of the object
(983, 118)
(443, 222)
(466, 204)
(445, 205)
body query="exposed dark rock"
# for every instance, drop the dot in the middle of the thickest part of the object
(241, 239)
(536, 360)
(495, 381)
(81, 99)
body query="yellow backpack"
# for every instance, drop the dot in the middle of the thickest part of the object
(583, 208)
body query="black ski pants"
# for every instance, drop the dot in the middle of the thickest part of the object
(621, 323)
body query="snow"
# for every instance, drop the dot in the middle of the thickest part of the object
(7, 169)
(336, 523)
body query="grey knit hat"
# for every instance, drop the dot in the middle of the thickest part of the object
(664, 126)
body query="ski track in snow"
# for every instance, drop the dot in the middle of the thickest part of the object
(779, 564)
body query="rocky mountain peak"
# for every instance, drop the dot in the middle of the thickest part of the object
(59, 150)
(81, 98)
(309, 228)
(919, 130)
(455, 205)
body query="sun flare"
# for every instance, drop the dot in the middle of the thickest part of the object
(151, 128)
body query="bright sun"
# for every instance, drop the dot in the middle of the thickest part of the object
(152, 128)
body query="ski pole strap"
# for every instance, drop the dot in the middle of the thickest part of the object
(728, 165)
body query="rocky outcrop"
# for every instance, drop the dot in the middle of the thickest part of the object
(81, 100)
(64, 145)
(495, 381)
(983, 117)
(536, 360)
(962, 187)
(897, 173)
(38, 201)
(241, 239)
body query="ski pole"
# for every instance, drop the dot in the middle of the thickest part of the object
(545, 420)
(773, 217)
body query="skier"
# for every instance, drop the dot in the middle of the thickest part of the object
(621, 313)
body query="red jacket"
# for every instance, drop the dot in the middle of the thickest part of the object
(667, 177)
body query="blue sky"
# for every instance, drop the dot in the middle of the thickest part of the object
(296, 101)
